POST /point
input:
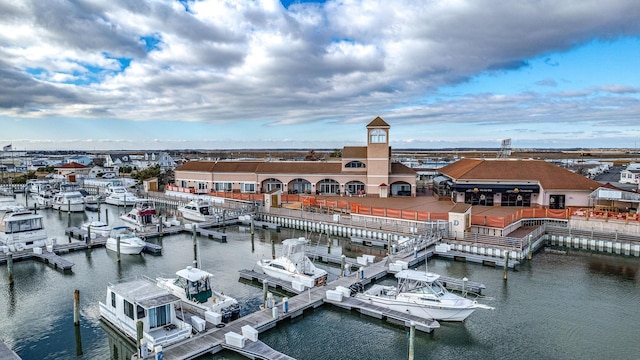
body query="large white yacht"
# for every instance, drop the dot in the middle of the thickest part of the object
(22, 229)
(71, 201)
(197, 210)
(293, 265)
(119, 195)
(420, 293)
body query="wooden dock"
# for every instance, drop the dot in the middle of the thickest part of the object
(480, 259)
(258, 350)
(211, 234)
(379, 312)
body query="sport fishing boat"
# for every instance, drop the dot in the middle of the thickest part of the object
(130, 243)
(142, 300)
(420, 293)
(193, 287)
(293, 265)
(143, 216)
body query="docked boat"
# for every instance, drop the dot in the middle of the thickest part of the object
(97, 228)
(143, 216)
(294, 266)
(130, 243)
(68, 201)
(7, 200)
(193, 287)
(142, 300)
(92, 203)
(421, 294)
(120, 196)
(22, 229)
(198, 210)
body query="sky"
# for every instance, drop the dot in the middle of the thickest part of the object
(268, 74)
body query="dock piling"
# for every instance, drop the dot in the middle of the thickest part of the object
(139, 336)
(76, 307)
(530, 254)
(10, 267)
(465, 282)
(118, 248)
(506, 264)
(265, 291)
(195, 245)
(106, 216)
(343, 264)
(412, 336)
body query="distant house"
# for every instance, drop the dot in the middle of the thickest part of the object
(117, 161)
(630, 175)
(80, 159)
(72, 170)
(163, 159)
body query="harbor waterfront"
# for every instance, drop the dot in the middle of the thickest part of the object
(556, 306)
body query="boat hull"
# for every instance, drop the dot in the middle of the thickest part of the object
(423, 310)
(73, 207)
(308, 281)
(120, 201)
(125, 248)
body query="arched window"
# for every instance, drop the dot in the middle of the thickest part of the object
(378, 136)
(355, 164)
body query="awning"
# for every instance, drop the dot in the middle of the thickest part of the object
(497, 188)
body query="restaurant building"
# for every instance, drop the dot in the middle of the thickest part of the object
(361, 171)
(513, 182)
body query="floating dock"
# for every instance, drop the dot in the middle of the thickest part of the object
(379, 312)
(480, 259)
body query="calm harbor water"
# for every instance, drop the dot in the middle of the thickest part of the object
(575, 306)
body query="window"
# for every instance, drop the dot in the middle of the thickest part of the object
(159, 316)
(355, 164)
(222, 186)
(202, 186)
(140, 311)
(128, 309)
(248, 187)
(113, 300)
(378, 136)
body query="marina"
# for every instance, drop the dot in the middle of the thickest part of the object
(251, 296)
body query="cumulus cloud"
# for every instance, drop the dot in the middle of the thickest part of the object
(228, 61)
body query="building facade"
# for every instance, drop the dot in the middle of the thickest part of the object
(362, 171)
(513, 182)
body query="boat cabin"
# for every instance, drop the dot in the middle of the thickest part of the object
(142, 300)
(195, 283)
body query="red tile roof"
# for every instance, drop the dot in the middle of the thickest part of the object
(72, 165)
(549, 175)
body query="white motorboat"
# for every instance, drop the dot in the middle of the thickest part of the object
(120, 196)
(22, 229)
(7, 200)
(130, 243)
(71, 201)
(92, 203)
(193, 286)
(421, 294)
(293, 265)
(198, 210)
(142, 300)
(143, 216)
(97, 228)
